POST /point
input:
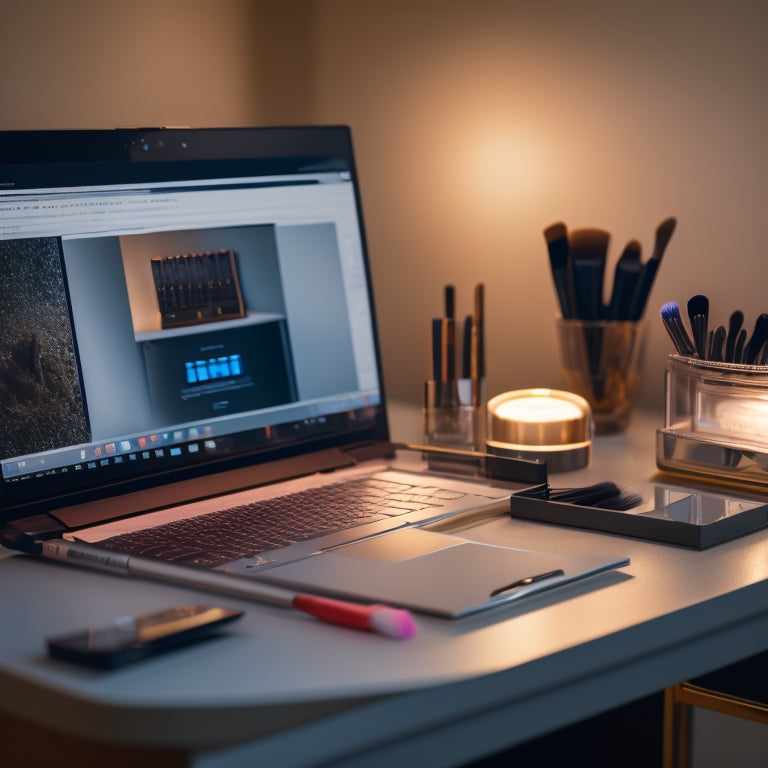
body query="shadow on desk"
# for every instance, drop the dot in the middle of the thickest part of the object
(627, 737)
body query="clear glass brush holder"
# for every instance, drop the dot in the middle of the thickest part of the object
(454, 414)
(601, 362)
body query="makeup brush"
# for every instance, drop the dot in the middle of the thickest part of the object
(556, 236)
(603, 495)
(588, 249)
(670, 315)
(698, 314)
(717, 345)
(392, 622)
(741, 340)
(734, 326)
(625, 279)
(663, 235)
(758, 338)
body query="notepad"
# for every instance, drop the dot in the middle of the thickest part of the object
(436, 573)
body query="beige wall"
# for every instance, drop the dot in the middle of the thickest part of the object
(106, 63)
(480, 123)
(477, 124)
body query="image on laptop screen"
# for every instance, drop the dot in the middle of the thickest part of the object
(171, 300)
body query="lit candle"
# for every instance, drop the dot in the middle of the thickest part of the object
(545, 424)
(539, 407)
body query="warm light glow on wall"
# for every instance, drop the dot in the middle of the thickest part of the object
(479, 124)
(499, 164)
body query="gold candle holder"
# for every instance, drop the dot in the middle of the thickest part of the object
(541, 424)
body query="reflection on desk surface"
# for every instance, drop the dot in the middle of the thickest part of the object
(695, 508)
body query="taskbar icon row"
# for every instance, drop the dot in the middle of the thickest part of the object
(145, 446)
(152, 447)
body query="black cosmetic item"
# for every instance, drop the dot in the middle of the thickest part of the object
(589, 249)
(556, 236)
(132, 638)
(626, 276)
(698, 314)
(670, 315)
(648, 272)
(759, 336)
(735, 322)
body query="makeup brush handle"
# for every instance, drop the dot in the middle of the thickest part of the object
(738, 352)
(643, 289)
(624, 285)
(588, 279)
(699, 329)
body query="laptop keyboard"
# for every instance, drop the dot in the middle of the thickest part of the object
(220, 537)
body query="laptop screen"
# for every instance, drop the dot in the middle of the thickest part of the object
(178, 301)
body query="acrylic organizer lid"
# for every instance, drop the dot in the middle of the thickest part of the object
(549, 424)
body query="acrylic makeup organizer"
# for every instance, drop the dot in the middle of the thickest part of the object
(715, 421)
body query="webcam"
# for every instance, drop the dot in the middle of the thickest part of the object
(156, 142)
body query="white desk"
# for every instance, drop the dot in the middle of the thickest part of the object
(288, 690)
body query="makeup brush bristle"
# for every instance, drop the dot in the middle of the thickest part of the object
(603, 495)
(555, 232)
(393, 622)
(590, 241)
(670, 315)
(556, 236)
(698, 305)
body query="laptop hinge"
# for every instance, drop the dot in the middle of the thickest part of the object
(377, 449)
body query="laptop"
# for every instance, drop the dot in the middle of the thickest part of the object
(188, 343)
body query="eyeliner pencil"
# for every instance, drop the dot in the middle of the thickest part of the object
(448, 371)
(450, 302)
(478, 344)
(437, 348)
(466, 348)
